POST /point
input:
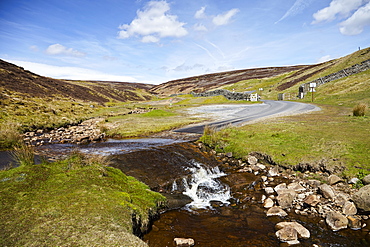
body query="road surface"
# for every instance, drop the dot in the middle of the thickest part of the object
(242, 114)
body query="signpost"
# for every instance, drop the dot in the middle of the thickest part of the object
(312, 88)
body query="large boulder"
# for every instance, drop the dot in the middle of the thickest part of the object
(336, 221)
(349, 208)
(301, 230)
(312, 200)
(366, 180)
(290, 232)
(334, 179)
(362, 198)
(276, 211)
(327, 191)
(285, 198)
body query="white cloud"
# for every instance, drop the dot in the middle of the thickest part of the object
(200, 27)
(200, 14)
(153, 23)
(356, 23)
(34, 48)
(223, 19)
(324, 59)
(73, 73)
(298, 7)
(58, 49)
(337, 9)
(150, 39)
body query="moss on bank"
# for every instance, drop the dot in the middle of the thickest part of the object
(74, 202)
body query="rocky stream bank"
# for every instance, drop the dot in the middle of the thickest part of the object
(307, 193)
(83, 133)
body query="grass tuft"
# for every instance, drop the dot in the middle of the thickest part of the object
(9, 134)
(359, 110)
(23, 154)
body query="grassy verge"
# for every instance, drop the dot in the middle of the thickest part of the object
(332, 136)
(74, 202)
(168, 115)
(145, 124)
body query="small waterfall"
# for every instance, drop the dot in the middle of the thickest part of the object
(174, 186)
(204, 187)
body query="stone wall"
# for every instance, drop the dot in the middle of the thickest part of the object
(226, 93)
(357, 68)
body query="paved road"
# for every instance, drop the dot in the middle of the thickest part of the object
(241, 114)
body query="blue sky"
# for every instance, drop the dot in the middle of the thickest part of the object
(157, 41)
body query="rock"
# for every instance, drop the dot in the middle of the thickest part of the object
(334, 179)
(252, 160)
(287, 234)
(327, 191)
(269, 190)
(341, 198)
(276, 211)
(301, 230)
(268, 203)
(184, 242)
(261, 166)
(285, 199)
(349, 208)
(312, 200)
(353, 180)
(354, 222)
(229, 154)
(362, 198)
(366, 180)
(314, 183)
(280, 187)
(336, 221)
(273, 172)
(296, 187)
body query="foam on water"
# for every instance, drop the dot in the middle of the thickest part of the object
(204, 187)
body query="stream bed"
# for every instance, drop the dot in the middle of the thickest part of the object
(208, 201)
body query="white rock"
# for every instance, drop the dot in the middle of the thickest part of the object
(268, 203)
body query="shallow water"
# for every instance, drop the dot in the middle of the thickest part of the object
(236, 218)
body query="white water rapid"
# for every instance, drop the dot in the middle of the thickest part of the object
(204, 187)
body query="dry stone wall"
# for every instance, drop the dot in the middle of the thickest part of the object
(226, 93)
(357, 68)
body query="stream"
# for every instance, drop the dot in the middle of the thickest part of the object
(208, 201)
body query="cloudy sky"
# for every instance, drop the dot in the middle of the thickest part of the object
(161, 40)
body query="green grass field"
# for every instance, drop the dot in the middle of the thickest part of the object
(74, 202)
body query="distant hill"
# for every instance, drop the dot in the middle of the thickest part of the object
(15, 79)
(203, 83)
(273, 79)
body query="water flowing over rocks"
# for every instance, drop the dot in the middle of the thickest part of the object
(86, 132)
(335, 201)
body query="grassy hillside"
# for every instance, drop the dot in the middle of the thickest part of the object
(16, 80)
(289, 82)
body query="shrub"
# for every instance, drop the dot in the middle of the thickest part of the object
(359, 110)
